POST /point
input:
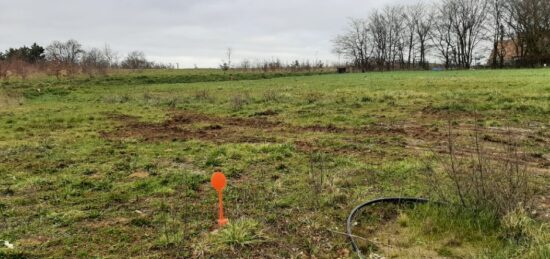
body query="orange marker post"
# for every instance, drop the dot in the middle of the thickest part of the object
(218, 182)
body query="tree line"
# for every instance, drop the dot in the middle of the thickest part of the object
(271, 65)
(453, 33)
(65, 59)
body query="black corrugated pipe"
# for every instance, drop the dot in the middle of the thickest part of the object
(397, 200)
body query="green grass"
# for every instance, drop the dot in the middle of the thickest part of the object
(120, 166)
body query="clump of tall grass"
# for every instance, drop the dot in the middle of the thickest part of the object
(313, 97)
(271, 96)
(115, 98)
(10, 98)
(235, 235)
(325, 186)
(241, 233)
(202, 95)
(238, 101)
(521, 230)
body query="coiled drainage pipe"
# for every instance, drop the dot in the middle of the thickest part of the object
(397, 200)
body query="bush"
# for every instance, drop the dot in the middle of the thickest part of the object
(203, 95)
(313, 97)
(271, 96)
(479, 179)
(239, 100)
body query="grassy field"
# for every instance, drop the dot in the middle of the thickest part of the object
(120, 166)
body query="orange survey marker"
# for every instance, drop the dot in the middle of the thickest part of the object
(218, 182)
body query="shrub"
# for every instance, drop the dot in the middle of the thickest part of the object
(202, 94)
(271, 96)
(239, 100)
(497, 181)
(367, 99)
(313, 97)
(317, 171)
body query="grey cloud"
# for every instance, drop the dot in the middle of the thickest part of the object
(185, 31)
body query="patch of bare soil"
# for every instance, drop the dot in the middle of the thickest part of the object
(139, 174)
(96, 224)
(183, 126)
(33, 241)
(187, 125)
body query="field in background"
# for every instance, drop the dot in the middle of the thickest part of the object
(119, 166)
(152, 76)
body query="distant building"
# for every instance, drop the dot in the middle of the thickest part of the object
(506, 50)
(526, 51)
(341, 70)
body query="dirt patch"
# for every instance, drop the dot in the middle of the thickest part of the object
(414, 135)
(33, 241)
(122, 117)
(190, 117)
(221, 131)
(184, 126)
(106, 222)
(268, 112)
(189, 125)
(139, 174)
(329, 128)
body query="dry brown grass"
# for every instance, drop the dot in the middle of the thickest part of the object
(9, 98)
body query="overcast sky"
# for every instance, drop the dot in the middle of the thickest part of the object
(188, 32)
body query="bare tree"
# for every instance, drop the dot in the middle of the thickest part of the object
(380, 34)
(423, 29)
(386, 29)
(396, 36)
(410, 16)
(94, 62)
(394, 18)
(442, 36)
(228, 55)
(468, 27)
(386, 39)
(64, 56)
(136, 60)
(226, 64)
(68, 52)
(354, 44)
(245, 64)
(530, 23)
(110, 56)
(498, 17)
